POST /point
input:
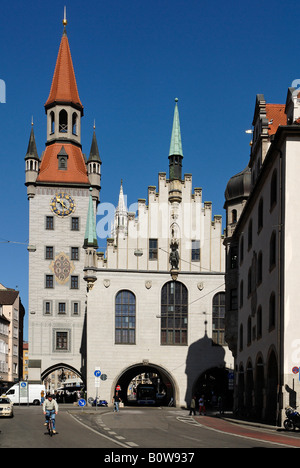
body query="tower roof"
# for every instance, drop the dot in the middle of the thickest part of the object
(76, 172)
(64, 86)
(31, 149)
(90, 238)
(94, 152)
(176, 145)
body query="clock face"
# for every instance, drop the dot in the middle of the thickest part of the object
(62, 204)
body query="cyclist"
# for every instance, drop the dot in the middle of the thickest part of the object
(50, 409)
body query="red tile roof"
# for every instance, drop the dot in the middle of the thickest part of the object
(76, 171)
(276, 116)
(64, 87)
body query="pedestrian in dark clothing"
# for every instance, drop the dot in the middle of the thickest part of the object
(193, 406)
(116, 401)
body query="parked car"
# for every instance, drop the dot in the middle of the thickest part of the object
(6, 407)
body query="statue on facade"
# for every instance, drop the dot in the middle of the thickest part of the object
(174, 255)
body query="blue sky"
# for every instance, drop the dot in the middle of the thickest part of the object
(132, 59)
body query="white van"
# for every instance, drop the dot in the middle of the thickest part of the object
(24, 392)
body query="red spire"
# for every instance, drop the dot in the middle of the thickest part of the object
(64, 87)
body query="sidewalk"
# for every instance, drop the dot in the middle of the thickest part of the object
(227, 424)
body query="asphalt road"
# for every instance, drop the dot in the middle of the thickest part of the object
(134, 429)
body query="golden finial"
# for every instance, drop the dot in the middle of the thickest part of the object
(65, 22)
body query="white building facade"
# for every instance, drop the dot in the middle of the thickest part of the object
(156, 298)
(262, 261)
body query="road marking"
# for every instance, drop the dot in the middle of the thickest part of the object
(99, 433)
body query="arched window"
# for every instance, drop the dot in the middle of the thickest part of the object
(241, 338)
(249, 331)
(74, 124)
(174, 314)
(260, 220)
(250, 234)
(272, 250)
(234, 216)
(63, 121)
(260, 268)
(218, 319)
(272, 311)
(125, 312)
(52, 122)
(273, 190)
(259, 322)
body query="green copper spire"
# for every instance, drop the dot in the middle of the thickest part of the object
(90, 238)
(175, 154)
(176, 145)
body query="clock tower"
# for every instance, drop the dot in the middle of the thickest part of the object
(60, 185)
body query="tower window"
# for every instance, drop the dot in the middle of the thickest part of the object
(74, 124)
(74, 282)
(52, 122)
(63, 121)
(62, 159)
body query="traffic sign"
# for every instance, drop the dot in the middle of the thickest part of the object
(103, 377)
(82, 402)
(97, 373)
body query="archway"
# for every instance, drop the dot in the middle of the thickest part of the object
(164, 386)
(214, 383)
(271, 389)
(66, 387)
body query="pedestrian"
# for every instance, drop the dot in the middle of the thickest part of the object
(42, 397)
(201, 405)
(193, 406)
(220, 405)
(116, 401)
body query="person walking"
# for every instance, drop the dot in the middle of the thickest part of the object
(193, 406)
(201, 405)
(116, 401)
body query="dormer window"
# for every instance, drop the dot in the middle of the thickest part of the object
(62, 159)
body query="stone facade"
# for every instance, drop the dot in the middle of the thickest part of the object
(174, 342)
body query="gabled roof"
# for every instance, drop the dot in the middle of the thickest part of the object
(64, 86)
(8, 296)
(76, 171)
(276, 116)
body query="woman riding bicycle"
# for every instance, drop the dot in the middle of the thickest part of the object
(50, 409)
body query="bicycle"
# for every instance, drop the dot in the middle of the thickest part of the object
(50, 423)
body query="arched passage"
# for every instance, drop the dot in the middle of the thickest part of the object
(61, 367)
(163, 382)
(271, 388)
(214, 383)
